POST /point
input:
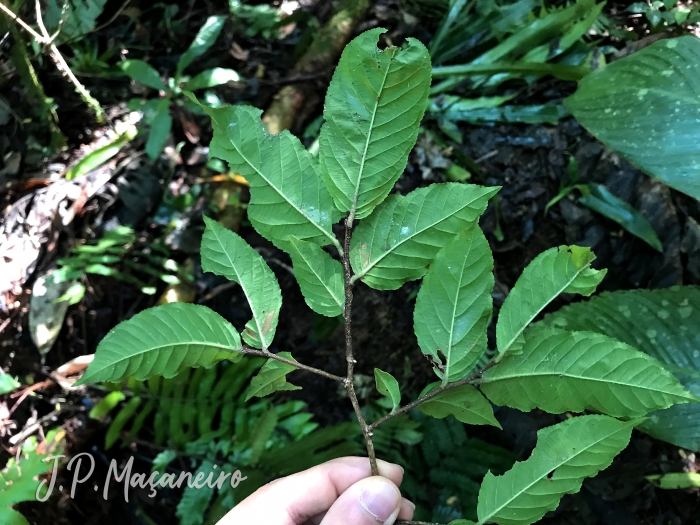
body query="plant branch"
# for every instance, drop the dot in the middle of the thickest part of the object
(433, 393)
(45, 39)
(349, 356)
(252, 351)
(40, 39)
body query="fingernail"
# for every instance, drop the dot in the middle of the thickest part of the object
(380, 499)
(413, 505)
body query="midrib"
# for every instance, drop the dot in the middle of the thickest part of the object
(356, 195)
(499, 509)
(525, 325)
(277, 190)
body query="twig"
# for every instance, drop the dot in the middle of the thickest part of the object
(40, 39)
(54, 53)
(63, 67)
(349, 357)
(439, 390)
(252, 351)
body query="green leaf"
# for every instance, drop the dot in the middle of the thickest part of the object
(661, 323)
(106, 404)
(142, 73)
(646, 107)
(8, 383)
(599, 199)
(453, 307)
(271, 378)
(287, 194)
(211, 78)
(225, 253)
(12, 517)
(676, 480)
(559, 371)
(400, 239)
(162, 341)
(388, 386)
(565, 454)
(97, 158)
(558, 270)
(19, 482)
(373, 109)
(205, 38)
(160, 131)
(464, 402)
(74, 18)
(320, 277)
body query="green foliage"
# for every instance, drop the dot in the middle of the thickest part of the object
(559, 371)
(157, 110)
(599, 199)
(205, 38)
(320, 277)
(119, 254)
(388, 386)
(645, 106)
(287, 194)
(8, 383)
(465, 403)
(565, 454)
(453, 307)
(162, 341)
(558, 270)
(73, 19)
(271, 378)
(676, 480)
(397, 243)
(225, 253)
(201, 415)
(666, 12)
(373, 109)
(661, 323)
(258, 20)
(19, 479)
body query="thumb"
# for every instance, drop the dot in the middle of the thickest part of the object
(368, 502)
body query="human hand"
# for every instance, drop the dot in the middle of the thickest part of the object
(338, 492)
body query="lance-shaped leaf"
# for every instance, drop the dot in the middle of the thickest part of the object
(661, 323)
(647, 107)
(454, 304)
(559, 371)
(206, 36)
(162, 341)
(225, 253)
(320, 277)
(565, 454)
(558, 270)
(464, 402)
(373, 108)
(388, 386)
(271, 378)
(287, 193)
(400, 239)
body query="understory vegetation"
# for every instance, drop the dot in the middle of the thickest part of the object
(246, 238)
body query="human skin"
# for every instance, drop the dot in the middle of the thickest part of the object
(338, 492)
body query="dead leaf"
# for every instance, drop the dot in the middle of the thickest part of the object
(46, 316)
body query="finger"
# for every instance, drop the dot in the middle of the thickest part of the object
(368, 502)
(295, 499)
(406, 510)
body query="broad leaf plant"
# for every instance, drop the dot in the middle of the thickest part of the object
(373, 110)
